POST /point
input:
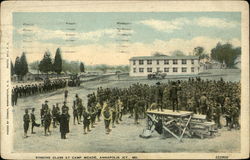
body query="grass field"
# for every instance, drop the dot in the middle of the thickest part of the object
(123, 138)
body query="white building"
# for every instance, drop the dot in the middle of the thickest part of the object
(171, 65)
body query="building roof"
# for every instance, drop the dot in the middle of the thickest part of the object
(162, 57)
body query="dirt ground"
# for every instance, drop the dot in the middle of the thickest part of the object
(123, 138)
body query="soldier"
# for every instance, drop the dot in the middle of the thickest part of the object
(99, 110)
(79, 106)
(64, 123)
(33, 120)
(235, 116)
(174, 97)
(47, 122)
(86, 120)
(54, 116)
(26, 121)
(114, 113)
(57, 113)
(120, 107)
(227, 110)
(65, 107)
(75, 112)
(106, 116)
(66, 95)
(92, 113)
(203, 104)
(217, 114)
(159, 95)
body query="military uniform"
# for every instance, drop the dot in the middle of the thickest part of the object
(26, 121)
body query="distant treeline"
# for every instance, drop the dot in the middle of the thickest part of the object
(73, 67)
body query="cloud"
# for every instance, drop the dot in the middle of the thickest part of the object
(215, 22)
(92, 54)
(166, 26)
(179, 23)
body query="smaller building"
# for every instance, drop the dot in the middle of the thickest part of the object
(171, 65)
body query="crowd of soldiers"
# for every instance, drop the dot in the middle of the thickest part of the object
(215, 99)
(32, 89)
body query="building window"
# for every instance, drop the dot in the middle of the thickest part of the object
(157, 62)
(192, 61)
(134, 70)
(158, 69)
(184, 69)
(149, 69)
(141, 69)
(134, 62)
(175, 69)
(141, 62)
(149, 61)
(192, 69)
(166, 69)
(166, 61)
(184, 61)
(175, 61)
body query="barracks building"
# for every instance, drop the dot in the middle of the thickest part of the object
(171, 65)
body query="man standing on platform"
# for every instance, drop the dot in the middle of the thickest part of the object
(174, 96)
(159, 95)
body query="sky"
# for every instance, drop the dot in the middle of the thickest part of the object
(114, 37)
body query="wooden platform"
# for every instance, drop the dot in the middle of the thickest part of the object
(168, 112)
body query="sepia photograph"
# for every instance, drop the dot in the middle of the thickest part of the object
(144, 81)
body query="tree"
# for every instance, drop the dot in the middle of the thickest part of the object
(12, 71)
(82, 69)
(177, 53)
(46, 63)
(58, 62)
(34, 65)
(225, 53)
(17, 67)
(24, 65)
(198, 51)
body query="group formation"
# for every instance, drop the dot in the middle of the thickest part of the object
(215, 99)
(32, 89)
(87, 115)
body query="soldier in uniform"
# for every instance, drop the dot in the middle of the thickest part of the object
(235, 117)
(174, 97)
(120, 107)
(64, 123)
(114, 115)
(54, 116)
(92, 112)
(65, 107)
(47, 122)
(75, 113)
(106, 113)
(66, 95)
(159, 96)
(26, 121)
(33, 120)
(86, 120)
(227, 110)
(99, 110)
(217, 114)
(203, 104)
(79, 107)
